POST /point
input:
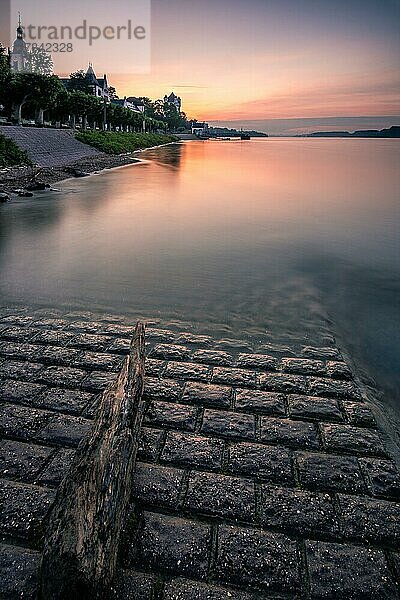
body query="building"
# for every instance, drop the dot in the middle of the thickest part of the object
(132, 103)
(199, 129)
(99, 86)
(19, 52)
(174, 101)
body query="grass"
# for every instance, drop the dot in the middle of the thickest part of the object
(120, 142)
(11, 155)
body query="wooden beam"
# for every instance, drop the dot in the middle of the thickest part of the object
(81, 544)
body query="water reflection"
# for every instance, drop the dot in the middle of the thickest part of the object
(220, 231)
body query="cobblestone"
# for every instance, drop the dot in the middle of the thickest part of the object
(231, 376)
(184, 589)
(191, 371)
(383, 477)
(178, 416)
(18, 572)
(321, 353)
(228, 424)
(333, 388)
(98, 361)
(359, 414)
(314, 409)
(19, 392)
(174, 545)
(267, 403)
(302, 512)
(170, 352)
(338, 370)
(257, 361)
(213, 357)
(62, 376)
(64, 430)
(257, 559)
(20, 422)
(162, 389)
(23, 508)
(325, 472)
(280, 382)
(193, 451)
(266, 462)
(365, 519)
(221, 495)
(348, 572)
(63, 400)
(22, 461)
(293, 434)
(130, 584)
(249, 452)
(157, 485)
(215, 396)
(303, 366)
(356, 440)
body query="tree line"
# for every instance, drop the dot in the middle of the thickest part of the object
(37, 94)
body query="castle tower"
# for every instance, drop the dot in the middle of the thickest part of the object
(173, 100)
(19, 53)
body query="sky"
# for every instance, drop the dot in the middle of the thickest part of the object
(296, 63)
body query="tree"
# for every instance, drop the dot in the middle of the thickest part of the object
(39, 90)
(39, 61)
(78, 82)
(5, 77)
(112, 92)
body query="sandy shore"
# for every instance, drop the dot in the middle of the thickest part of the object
(13, 178)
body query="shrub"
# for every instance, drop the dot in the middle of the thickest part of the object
(11, 155)
(121, 142)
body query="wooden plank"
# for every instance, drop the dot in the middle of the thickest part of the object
(81, 544)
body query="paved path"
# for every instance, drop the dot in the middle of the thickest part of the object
(49, 147)
(262, 472)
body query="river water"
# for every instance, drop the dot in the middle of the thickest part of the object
(227, 231)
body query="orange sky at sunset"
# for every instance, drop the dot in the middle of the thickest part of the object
(264, 60)
(232, 60)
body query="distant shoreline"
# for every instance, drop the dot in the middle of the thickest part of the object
(391, 132)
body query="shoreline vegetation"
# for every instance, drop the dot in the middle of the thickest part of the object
(11, 155)
(121, 142)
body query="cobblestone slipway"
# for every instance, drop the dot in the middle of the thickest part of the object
(262, 471)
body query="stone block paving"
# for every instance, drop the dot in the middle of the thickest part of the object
(262, 471)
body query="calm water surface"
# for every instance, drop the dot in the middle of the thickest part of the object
(217, 230)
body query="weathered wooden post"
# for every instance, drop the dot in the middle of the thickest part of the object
(81, 543)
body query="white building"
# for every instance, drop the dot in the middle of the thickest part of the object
(19, 53)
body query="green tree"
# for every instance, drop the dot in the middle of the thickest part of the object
(78, 82)
(38, 90)
(112, 92)
(39, 61)
(5, 77)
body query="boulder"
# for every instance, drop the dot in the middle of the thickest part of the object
(36, 186)
(4, 197)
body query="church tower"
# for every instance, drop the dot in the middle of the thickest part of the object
(19, 53)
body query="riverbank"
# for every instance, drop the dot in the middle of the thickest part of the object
(19, 177)
(49, 156)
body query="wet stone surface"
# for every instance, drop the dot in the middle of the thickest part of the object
(261, 473)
